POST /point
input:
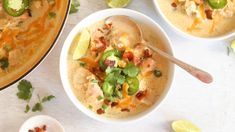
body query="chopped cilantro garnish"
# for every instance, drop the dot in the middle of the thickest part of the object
(37, 107)
(104, 107)
(100, 98)
(47, 98)
(52, 15)
(90, 107)
(94, 81)
(131, 70)
(27, 108)
(82, 64)
(74, 6)
(25, 90)
(4, 63)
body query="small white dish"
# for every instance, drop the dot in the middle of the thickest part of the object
(52, 124)
(187, 35)
(100, 15)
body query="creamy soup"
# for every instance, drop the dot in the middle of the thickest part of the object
(106, 88)
(27, 32)
(198, 18)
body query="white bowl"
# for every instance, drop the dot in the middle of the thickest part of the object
(89, 21)
(187, 35)
(38, 121)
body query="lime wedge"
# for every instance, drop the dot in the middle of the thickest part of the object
(233, 45)
(82, 44)
(117, 3)
(184, 126)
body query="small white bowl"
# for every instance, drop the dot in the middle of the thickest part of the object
(38, 121)
(187, 35)
(91, 19)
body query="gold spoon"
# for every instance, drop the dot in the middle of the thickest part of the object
(124, 22)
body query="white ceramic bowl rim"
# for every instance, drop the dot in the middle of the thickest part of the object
(187, 35)
(64, 54)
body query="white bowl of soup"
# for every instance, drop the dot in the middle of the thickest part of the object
(208, 19)
(116, 78)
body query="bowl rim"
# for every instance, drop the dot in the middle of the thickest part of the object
(46, 53)
(187, 35)
(63, 67)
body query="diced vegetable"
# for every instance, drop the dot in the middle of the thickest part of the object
(107, 54)
(107, 89)
(131, 70)
(15, 8)
(133, 85)
(157, 73)
(217, 4)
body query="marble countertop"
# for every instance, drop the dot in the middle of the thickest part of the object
(211, 107)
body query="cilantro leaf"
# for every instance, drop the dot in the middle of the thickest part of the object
(74, 6)
(4, 63)
(131, 70)
(37, 107)
(25, 90)
(47, 98)
(27, 108)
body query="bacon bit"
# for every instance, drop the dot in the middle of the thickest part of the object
(107, 102)
(141, 94)
(30, 131)
(107, 26)
(100, 30)
(147, 53)
(125, 110)
(110, 63)
(100, 111)
(37, 129)
(133, 106)
(137, 60)
(209, 14)
(98, 72)
(113, 104)
(174, 4)
(100, 44)
(128, 55)
(44, 127)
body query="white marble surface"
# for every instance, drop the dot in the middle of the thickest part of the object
(211, 107)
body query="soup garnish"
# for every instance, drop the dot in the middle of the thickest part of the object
(107, 74)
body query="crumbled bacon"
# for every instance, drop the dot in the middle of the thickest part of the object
(100, 111)
(107, 26)
(100, 44)
(174, 4)
(125, 110)
(113, 104)
(110, 63)
(107, 102)
(141, 94)
(147, 53)
(209, 14)
(128, 55)
(44, 127)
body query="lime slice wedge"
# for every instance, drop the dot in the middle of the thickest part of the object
(233, 45)
(117, 3)
(184, 126)
(82, 44)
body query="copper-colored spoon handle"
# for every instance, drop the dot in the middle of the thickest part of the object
(198, 73)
